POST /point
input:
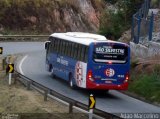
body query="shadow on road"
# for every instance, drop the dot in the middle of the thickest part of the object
(85, 92)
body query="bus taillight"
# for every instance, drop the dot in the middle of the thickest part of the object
(90, 75)
(109, 62)
(126, 78)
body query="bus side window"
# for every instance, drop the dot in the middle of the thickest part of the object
(86, 54)
(66, 48)
(72, 50)
(82, 53)
(79, 50)
(55, 48)
(75, 51)
(53, 45)
(59, 46)
(69, 49)
(50, 46)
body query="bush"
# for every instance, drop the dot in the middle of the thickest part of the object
(157, 69)
(155, 3)
(134, 63)
(112, 25)
(147, 86)
(111, 1)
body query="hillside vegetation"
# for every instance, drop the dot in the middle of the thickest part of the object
(47, 16)
(107, 17)
(145, 81)
(117, 19)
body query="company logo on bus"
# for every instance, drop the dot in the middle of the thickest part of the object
(110, 72)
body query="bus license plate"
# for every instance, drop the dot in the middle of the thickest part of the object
(108, 81)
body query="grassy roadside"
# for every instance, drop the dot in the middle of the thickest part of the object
(26, 104)
(145, 82)
(16, 100)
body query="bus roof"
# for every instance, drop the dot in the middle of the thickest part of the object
(80, 37)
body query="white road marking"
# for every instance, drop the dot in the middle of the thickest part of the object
(20, 65)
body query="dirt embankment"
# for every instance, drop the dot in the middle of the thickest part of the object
(48, 16)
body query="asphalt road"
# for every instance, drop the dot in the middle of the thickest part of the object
(33, 66)
(20, 47)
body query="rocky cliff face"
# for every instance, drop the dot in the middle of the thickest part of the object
(47, 16)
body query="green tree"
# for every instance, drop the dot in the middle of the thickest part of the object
(113, 24)
(111, 1)
(129, 7)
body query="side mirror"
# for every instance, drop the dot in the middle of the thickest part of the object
(47, 43)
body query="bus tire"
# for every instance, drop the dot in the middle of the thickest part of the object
(50, 68)
(71, 81)
(107, 91)
(52, 72)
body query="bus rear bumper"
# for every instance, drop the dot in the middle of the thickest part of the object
(92, 85)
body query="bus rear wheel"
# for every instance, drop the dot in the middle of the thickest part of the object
(71, 84)
(52, 73)
(50, 68)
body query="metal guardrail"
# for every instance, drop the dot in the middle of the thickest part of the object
(22, 36)
(29, 83)
(142, 24)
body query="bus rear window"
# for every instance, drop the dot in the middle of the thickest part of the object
(115, 53)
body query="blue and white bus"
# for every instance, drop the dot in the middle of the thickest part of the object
(88, 60)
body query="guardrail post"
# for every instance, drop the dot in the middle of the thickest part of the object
(10, 79)
(91, 114)
(15, 75)
(151, 26)
(4, 63)
(139, 29)
(70, 107)
(45, 95)
(28, 85)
